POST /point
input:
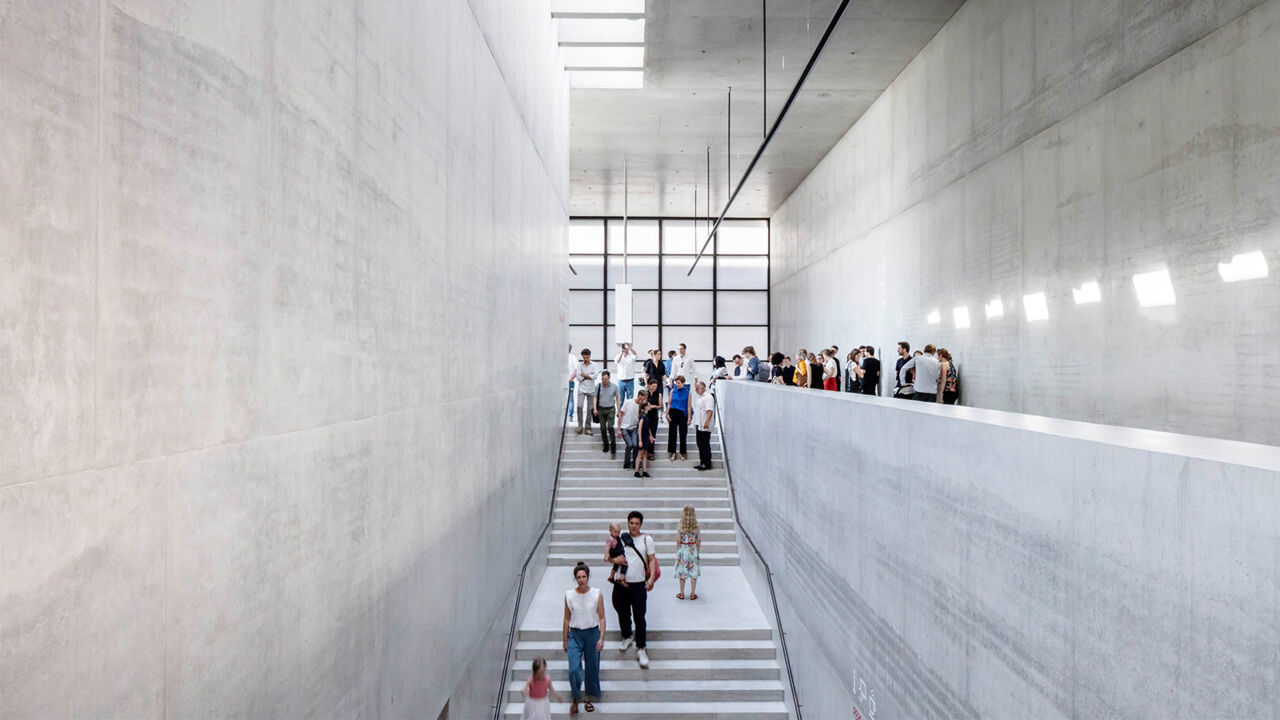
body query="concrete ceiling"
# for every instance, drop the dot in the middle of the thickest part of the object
(695, 51)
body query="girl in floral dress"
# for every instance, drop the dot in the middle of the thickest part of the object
(687, 564)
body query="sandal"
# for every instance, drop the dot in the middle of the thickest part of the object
(573, 708)
(589, 706)
(679, 596)
(693, 596)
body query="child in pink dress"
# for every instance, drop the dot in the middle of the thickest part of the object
(536, 704)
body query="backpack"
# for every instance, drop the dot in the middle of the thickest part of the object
(657, 569)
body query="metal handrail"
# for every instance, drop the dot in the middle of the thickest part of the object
(524, 569)
(768, 572)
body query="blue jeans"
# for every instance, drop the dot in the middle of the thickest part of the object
(631, 437)
(570, 399)
(583, 643)
(628, 388)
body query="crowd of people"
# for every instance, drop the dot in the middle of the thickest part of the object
(668, 393)
(657, 391)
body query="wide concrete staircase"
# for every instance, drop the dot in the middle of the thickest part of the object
(710, 658)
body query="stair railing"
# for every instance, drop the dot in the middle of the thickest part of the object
(768, 572)
(524, 569)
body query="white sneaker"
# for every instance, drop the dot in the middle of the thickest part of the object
(642, 657)
(626, 644)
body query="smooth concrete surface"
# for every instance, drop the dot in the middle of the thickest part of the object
(821, 688)
(1034, 146)
(975, 567)
(266, 450)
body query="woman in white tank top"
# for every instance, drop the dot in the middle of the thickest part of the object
(584, 627)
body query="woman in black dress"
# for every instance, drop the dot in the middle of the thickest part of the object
(648, 430)
(815, 372)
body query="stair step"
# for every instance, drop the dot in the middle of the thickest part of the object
(571, 559)
(671, 711)
(709, 481)
(665, 546)
(619, 514)
(612, 635)
(625, 691)
(677, 502)
(597, 536)
(599, 522)
(716, 471)
(638, 490)
(572, 438)
(666, 649)
(625, 668)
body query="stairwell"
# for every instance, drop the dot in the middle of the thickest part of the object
(713, 657)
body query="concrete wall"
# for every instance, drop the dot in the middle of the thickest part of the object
(266, 451)
(964, 563)
(1033, 146)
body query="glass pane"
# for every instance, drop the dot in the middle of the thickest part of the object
(699, 340)
(742, 308)
(591, 338)
(642, 271)
(743, 236)
(730, 341)
(586, 236)
(684, 237)
(748, 273)
(590, 271)
(675, 273)
(642, 237)
(643, 338)
(585, 307)
(644, 308)
(686, 307)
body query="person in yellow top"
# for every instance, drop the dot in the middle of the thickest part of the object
(802, 368)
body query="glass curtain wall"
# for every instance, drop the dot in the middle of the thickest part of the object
(720, 308)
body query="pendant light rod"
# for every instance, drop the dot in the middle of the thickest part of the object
(782, 115)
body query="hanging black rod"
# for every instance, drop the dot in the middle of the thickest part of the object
(817, 52)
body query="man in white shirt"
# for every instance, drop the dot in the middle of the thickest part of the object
(683, 365)
(573, 374)
(628, 425)
(928, 374)
(704, 412)
(626, 366)
(585, 374)
(630, 599)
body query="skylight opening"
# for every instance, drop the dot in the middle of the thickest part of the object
(601, 31)
(603, 56)
(607, 79)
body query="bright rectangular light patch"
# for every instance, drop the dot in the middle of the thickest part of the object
(961, 315)
(603, 56)
(995, 308)
(1036, 307)
(597, 7)
(607, 79)
(1245, 266)
(622, 304)
(1154, 289)
(1087, 293)
(934, 317)
(601, 31)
